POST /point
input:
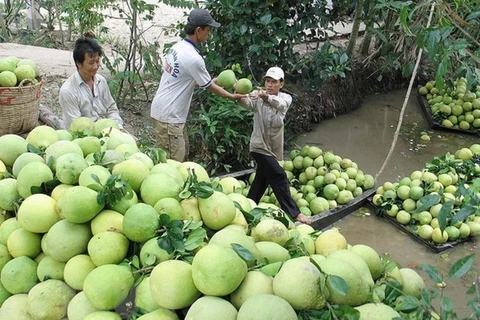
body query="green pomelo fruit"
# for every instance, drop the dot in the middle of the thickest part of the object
(32, 175)
(266, 306)
(376, 311)
(49, 268)
(19, 275)
(241, 200)
(7, 64)
(358, 290)
(230, 184)
(11, 147)
(169, 170)
(403, 192)
(303, 241)
(255, 283)
(9, 192)
(143, 296)
(24, 72)
(160, 313)
(90, 144)
(28, 62)
(152, 254)
(191, 210)
(371, 257)
(37, 213)
(78, 204)
(271, 230)
(412, 282)
(190, 167)
(68, 168)
(330, 191)
(82, 126)
(79, 307)
(108, 247)
(15, 307)
(59, 148)
(172, 284)
(272, 251)
(217, 211)
(158, 186)
(7, 79)
(4, 255)
(49, 300)
(64, 135)
(103, 123)
(298, 282)
(108, 285)
(356, 261)
(103, 315)
(120, 138)
(314, 152)
(133, 171)
(243, 86)
(24, 243)
(6, 228)
(170, 207)
(318, 205)
(474, 228)
(217, 270)
(211, 308)
(330, 241)
(58, 190)
(453, 233)
(425, 232)
(144, 158)
(42, 137)
(127, 149)
(439, 236)
(140, 222)
(226, 79)
(23, 160)
(65, 240)
(227, 237)
(4, 295)
(107, 220)
(85, 178)
(369, 182)
(76, 270)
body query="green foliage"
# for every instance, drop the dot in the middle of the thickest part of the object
(258, 34)
(219, 133)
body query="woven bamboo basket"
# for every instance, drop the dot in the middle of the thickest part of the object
(19, 107)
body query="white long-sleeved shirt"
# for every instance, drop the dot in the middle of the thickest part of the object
(268, 123)
(77, 100)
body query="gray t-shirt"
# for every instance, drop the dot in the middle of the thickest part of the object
(77, 100)
(184, 68)
(268, 123)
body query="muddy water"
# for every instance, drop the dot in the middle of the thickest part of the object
(365, 136)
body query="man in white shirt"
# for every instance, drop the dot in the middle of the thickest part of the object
(86, 93)
(184, 70)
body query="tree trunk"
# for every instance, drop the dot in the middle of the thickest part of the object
(356, 26)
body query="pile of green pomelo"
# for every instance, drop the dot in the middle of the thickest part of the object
(89, 221)
(15, 71)
(419, 200)
(456, 107)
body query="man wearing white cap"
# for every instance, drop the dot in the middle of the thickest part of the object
(266, 143)
(184, 70)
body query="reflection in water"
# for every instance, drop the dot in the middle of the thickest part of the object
(365, 136)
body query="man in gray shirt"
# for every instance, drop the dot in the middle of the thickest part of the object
(86, 93)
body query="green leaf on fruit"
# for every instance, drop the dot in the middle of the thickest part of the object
(243, 252)
(338, 284)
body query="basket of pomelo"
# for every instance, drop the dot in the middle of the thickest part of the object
(20, 86)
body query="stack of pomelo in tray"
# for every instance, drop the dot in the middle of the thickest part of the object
(454, 107)
(94, 228)
(437, 204)
(319, 181)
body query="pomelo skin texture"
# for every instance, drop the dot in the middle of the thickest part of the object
(266, 306)
(65, 240)
(15, 307)
(49, 300)
(226, 79)
(376, 311)
(103, 315)
(217, 211)
(79, 307)
(78, 204)
(254, 283)
(108, 285)
(218, 270)
(11, 147)
(19, 275)
(211, 308)
(160, 313)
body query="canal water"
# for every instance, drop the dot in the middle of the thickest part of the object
(366, 136)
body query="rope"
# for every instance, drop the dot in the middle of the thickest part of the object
(402, 112)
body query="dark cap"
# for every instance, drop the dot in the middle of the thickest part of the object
(201, 17)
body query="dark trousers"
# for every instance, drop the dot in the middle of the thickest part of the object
(269, 172)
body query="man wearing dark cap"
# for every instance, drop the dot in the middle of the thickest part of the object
(184, 69)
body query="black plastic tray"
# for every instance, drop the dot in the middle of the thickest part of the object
(437, 248)
(433, 123)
